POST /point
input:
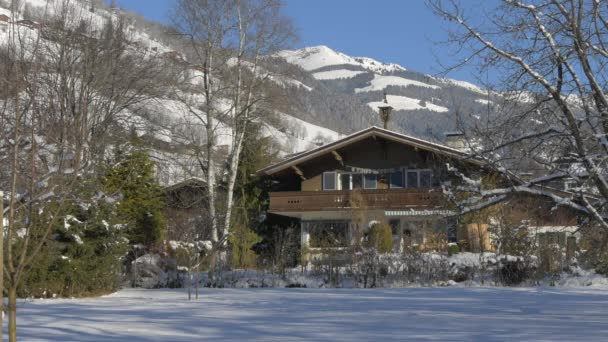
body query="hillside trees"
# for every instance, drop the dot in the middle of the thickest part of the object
(64, 89)
(229, 40)
(549, 58)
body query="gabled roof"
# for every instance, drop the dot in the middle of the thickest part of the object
(192, 182)
(361, 135)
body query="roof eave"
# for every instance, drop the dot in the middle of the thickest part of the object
(394, 136)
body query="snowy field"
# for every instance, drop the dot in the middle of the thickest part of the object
(438, 314)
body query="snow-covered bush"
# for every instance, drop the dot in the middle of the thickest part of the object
(512, 271)
(83, 255)
(156, 271)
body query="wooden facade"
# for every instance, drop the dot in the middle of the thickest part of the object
(186, 210)
(419, 199)
(379, 176)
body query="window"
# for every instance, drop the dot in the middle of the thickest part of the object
(395, 226)
(412, 179)
(419, 178)
(425, 179)
(329, 181)
(345, 181)
(324, 234)
(570, 185)
(357, 181)
(396, 180)
(370, 181)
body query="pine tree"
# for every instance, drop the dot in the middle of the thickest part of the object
(83, 257)
(251, 200)
(141, 197)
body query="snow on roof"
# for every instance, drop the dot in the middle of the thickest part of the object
(191, 180)
(420, 213)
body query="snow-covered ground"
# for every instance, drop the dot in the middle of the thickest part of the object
(380, 82)
(336, 74)
(407, 103)
(315, 57)
(440, 314)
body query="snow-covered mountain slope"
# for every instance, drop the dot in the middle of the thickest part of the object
(167, 123)
(336, 74)
(379, 83)
(316, 57)
(424, 105)
(299, 134)
(407, 103)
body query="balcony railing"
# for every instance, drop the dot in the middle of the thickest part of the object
(368, 199)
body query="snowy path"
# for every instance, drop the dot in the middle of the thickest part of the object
(440, 314)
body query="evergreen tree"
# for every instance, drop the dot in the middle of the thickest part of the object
(83, 256)
(141, 201)
(251, 202)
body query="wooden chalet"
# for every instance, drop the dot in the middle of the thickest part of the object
(375, 176)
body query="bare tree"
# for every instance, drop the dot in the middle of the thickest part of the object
(549, 59)
(229, 40)
(63, 86)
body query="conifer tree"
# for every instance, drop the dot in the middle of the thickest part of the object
(141, 197)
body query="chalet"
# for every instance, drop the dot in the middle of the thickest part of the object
(5, 20)
(339, 190)
(30, 23)
(372, 176)
(186, 209)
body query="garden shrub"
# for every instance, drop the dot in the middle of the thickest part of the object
(380, 237)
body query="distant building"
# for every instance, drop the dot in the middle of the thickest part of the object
(186, 210)
(30, 23)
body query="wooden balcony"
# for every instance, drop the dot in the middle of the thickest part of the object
(294, 201)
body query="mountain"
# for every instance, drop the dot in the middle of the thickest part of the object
(424, 105)
(164, 123)
(328, 94)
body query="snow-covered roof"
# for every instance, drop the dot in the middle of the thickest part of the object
(192, 181)
(413, 212)
(363, 134)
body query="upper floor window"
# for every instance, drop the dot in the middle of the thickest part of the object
(329, 181)
(357, 181)
(570, 185)
(396, 179)
(412, 179)
(370, 181)
(424, 179)
(419, 178)
(345, 181)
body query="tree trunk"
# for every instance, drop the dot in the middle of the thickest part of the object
(196, 277)
(12, 314)
(189, 284)
(212, 265)
(1, 264)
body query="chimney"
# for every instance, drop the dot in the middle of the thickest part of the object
(455, 140)
(385, 112)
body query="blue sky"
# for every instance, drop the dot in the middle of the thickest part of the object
(397, 31)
